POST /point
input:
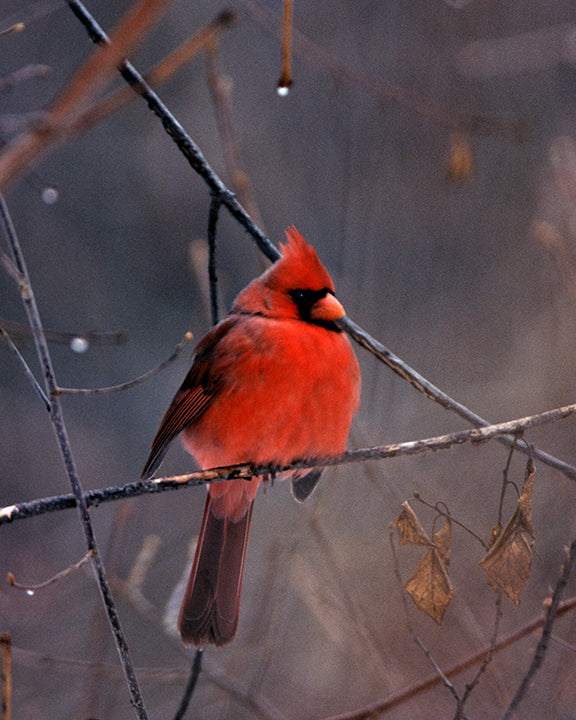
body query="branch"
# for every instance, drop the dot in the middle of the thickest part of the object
(130, 383)
(212, 273)
(29, 374)
(185, 144)
(20, 511)
(160, 73)
(55, 124)
(190, 685)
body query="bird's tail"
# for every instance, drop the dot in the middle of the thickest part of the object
(211, 605)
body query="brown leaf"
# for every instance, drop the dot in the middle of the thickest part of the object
(410, 531)
(430, 586)
(508, 560)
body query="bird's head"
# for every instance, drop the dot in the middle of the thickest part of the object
(296, 287)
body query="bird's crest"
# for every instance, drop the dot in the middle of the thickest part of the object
(299, 265)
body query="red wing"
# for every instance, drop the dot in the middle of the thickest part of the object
(196, 393)
(188, 404)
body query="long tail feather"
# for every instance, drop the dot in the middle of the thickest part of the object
(211, 605)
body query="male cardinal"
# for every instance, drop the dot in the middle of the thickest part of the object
(274, 382)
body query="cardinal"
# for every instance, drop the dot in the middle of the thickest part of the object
(275, 382)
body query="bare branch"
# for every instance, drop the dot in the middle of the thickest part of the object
(185, 144)
(6, 675)
(27, 149)
(201, 477)
(31, 589)
(285, 79)
(130, 383)
(191, 684)
(160, 73)
(212, 273)
(29, 374)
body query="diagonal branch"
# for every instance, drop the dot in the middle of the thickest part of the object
(129, 383)
(56, 123)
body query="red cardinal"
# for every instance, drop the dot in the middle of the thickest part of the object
(274, 382)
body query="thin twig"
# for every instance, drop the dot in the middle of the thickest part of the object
(285, 80)
(487, 659)
(185, 144)
(505, 483)
(190, 685)
(212, 273)
(65, 447)
(411, 631)
(541, 648)
(155, 677)
(16, 28)
(160, 73)
(130, 383)
(29, 374)
(414, 447)
(54, 125)
(220, 88)
(28, 72)
(31, 589)
(446, 514)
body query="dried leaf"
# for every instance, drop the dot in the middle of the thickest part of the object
(410, 531)
(507, 562)
(430, 586)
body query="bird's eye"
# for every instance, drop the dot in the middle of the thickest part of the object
(305, 299)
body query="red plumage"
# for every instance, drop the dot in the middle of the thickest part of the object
(274, 382)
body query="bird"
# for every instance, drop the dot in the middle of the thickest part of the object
(274, 382)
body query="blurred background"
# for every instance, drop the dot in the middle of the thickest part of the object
(428, 151)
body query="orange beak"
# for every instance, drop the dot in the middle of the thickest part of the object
(327, 309)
